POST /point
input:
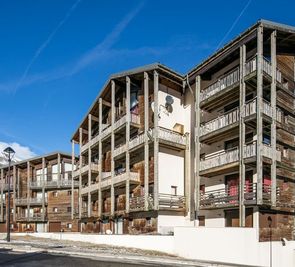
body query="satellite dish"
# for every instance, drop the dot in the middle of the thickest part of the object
(168, 105)
(169, 100)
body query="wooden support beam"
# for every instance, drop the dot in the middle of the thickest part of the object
(58, 169)
(100, 158)
(195, 181)
(14, 192)
(2, 195)
(156, 141)
(43, 187)
(72, 185)
(89, 161)
(273, 121)
(80, 175)
(242, 215)
(146, 141)
(106, 103)
(259, 161)
(127, 142)
(28, 188)
(113, 111)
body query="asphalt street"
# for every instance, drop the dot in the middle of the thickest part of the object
(11, 258)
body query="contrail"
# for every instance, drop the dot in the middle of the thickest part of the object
(45, 44)
(234, 24)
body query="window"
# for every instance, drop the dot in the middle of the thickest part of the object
(54, 209)
(54, 193)
(69, 226)
(69, 209)
(174, 190)
(201, 220)
(69, 192)
(148, 221)
(285, 152)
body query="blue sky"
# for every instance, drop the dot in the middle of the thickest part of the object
(55, 55)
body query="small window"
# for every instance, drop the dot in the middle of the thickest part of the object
(69, 192)
(69, 226)
(54, 209)
(69, 209)
(173, 190)
(54, 193)
(201, 220)
(148, 221)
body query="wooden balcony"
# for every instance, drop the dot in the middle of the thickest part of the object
(119, 150)
(230, 119)
(119, 178)
(31, 201)
(166, 202)
(136, 141)
(229, 81)
(63, 183)
(229, 196)
(226, 157)
(138, 203)
(85, 169)
(36, 217)
(172, 138)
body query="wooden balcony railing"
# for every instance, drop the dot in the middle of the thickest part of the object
(168, 201)
(138, 203)
(136, 141)
(119, 150)
(31, 201)
(228, 196)
(228, 156)
(234, 76)
(172, 136)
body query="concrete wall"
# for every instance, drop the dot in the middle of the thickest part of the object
(148, 242)
(230, 245)
(233, 245)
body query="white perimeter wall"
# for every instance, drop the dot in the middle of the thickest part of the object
(230, 245)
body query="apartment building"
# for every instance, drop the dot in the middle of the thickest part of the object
(43, 194)
(245, 132)
(134, 156)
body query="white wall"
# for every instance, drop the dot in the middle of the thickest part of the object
(148, 242)
(180, 113)
(166, 223)
(232, 245)
(171, 172)
(229, 245)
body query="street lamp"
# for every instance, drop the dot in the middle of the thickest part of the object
(269, 219)
(8, 153)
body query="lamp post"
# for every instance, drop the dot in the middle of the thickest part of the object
(8, 153)
(269, 219)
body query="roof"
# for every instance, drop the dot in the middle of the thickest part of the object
(149, 67)
(264, 23)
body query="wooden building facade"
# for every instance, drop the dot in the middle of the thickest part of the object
(42, 194)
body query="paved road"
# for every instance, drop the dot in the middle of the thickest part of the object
(37, 259)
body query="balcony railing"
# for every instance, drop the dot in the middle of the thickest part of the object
(172, 136)
(234, 76)
(136, 141)
(134, 118)
(119, 178)
(168, 201)
(228, 156)
(119, 150)
(228, 196)
(138, 203)
(267, 152)
(36, 217)
(31, 201)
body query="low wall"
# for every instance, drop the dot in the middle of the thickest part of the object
(147, 242)
(232, 245)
